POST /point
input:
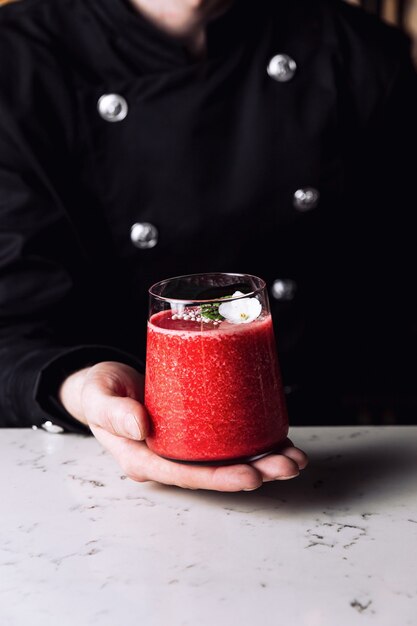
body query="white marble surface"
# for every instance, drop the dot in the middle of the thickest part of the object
(81, 545)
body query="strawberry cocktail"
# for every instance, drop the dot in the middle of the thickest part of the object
(213, 388)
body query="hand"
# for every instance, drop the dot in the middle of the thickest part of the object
(108, 397)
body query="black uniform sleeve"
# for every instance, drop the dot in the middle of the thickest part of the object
(48, 301)
(44, 403)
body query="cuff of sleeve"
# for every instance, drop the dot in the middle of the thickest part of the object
(38, 378)
(54, 372)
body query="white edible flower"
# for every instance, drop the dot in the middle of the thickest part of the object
(240, 311)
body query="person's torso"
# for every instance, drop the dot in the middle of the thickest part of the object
(243, 162)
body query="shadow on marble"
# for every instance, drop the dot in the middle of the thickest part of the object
(343, 480)
(348, 477)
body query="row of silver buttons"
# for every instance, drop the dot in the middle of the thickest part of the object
(113, 107)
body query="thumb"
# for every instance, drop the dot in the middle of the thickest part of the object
(107, 406)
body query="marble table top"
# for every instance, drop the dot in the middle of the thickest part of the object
(82, 545)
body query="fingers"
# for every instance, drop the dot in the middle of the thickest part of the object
(276, 467)
(109, 399)
(123, 417)
(286, 463)
(297, 455)
(242, 477)
(141, 464)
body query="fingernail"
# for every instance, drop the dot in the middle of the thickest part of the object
(287, 477)
(251, 489)
(132, 427)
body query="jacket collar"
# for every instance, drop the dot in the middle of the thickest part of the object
(156, 50)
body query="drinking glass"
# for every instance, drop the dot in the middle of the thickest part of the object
(213, 388)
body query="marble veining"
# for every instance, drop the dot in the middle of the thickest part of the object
(82, 544)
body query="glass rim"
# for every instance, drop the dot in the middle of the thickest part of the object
(251, 294)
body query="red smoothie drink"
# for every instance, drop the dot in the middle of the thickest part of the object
(213, 388)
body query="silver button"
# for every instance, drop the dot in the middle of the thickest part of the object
(283, 289)
(52, 428)
(144, 235)
(281, 68)
(306, 199)
(112, 107)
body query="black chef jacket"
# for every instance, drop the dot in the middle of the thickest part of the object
(302, 178)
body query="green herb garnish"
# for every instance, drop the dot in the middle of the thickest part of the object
(211, 312)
